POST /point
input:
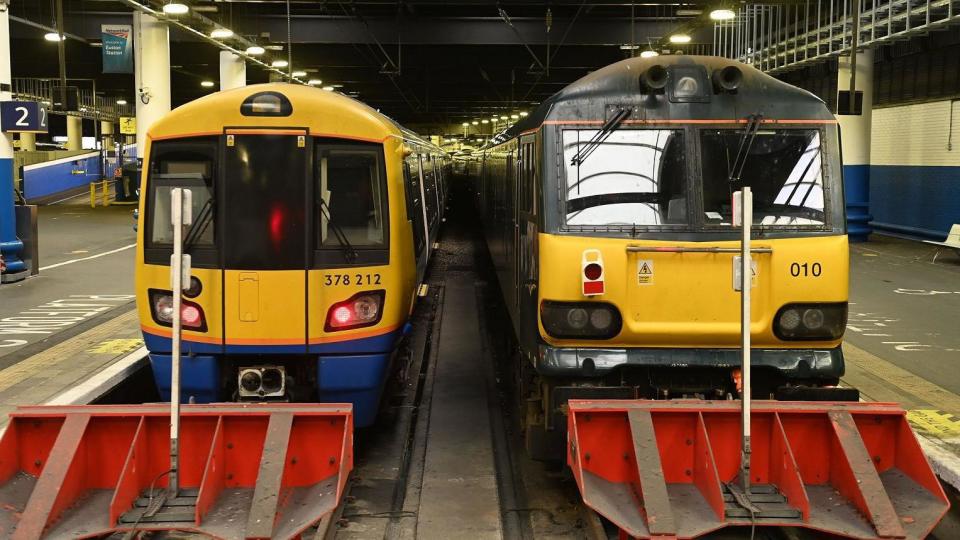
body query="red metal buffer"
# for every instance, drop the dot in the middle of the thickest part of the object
(664, 469)
(246, 470)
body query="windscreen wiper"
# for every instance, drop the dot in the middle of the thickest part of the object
(349, 252)
(204, 219)
(746, 141)
(605, 130)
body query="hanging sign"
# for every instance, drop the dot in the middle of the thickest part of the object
(117, 48)
(23, 116)
(128, 125)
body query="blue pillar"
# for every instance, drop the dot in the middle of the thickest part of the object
(855, 137)
(10, 245)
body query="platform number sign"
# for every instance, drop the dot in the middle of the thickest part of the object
(23, 116)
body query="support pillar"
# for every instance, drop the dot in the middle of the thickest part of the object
(28, 142)
(106, 130)
(152, 73)
(74, 133)
(855, 139)
(10, 245)
(233, 71)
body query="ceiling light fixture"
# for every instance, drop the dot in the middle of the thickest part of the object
(279, 63)
(206, 84)
(329, 88)
(475, 123)
(524, 113)
(649, 53)
(514, 116)
(175, 8)
(299, 73)
(629, 47)
(52, 36)
(680, 38)
(255, 50)
(221, 33)
(484, 121)
(723, 14)
(121, 102)
(314, 82)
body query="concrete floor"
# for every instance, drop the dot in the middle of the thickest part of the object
(904, 307)
(86, 271)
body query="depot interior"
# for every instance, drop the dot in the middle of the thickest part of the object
(96, 73)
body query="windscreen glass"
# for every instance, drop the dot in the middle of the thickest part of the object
(784, 169)
(184, 164)
(630, 177)
(351, 189)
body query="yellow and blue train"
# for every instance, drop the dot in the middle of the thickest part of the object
(608, 217)
(314, 220)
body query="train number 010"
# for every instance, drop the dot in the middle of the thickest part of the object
(805, 269)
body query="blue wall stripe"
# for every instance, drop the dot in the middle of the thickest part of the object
(45, 180)
(916, 200)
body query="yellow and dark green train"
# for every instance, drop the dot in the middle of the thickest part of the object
(314, 219)
(608, 217)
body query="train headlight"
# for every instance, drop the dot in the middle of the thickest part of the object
(580, 320)
(191, 314)
(577, 318)
(360, 310)
(811, 322)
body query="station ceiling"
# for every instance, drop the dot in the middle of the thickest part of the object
(421, 61)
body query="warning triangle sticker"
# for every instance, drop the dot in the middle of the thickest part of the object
(644, 269)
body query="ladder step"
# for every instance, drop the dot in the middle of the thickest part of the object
(143, 502)
(757, 498)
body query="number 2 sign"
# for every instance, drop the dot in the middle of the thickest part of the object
(23, 116)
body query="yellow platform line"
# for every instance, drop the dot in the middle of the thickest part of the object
(65, 356)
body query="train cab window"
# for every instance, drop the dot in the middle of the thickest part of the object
(351, 187)
(633, 177)
(784, 169)
(186, 164)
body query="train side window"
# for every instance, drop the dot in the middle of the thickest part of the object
(187, 164)
(351, 187)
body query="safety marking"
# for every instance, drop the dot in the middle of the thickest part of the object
(97, 256)
(935, 422)
(422, 291)
(116, 346)
(645, 272)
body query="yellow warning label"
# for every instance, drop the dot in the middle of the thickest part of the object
(645, 272)
(115, 346)
(128, 125)
(938, 423)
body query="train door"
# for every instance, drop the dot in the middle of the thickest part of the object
(265, 239)
(415, 215)
(424, 203)
(526, 256)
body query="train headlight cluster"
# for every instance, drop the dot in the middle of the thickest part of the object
(191, 314)
(580, 320)
(811, 322)
(360, 310)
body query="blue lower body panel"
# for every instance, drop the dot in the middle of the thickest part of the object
(354, 379)
(199, 377)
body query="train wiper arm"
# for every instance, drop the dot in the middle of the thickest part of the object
(204, 218)
(605, 130)
(349, 252)
(746, 142)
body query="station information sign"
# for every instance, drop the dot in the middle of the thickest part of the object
(128, 125)
(23, 117)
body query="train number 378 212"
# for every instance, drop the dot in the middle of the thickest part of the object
(351, 279)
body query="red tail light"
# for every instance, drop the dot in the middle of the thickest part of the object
(360, 310)
(191, 314)
(591, 265)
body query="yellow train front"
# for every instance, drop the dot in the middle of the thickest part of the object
(313, 219)
(607, 213)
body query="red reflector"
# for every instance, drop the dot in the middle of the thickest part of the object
(593, 271)
(593, 287)
(342, 314)
(190, 315)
